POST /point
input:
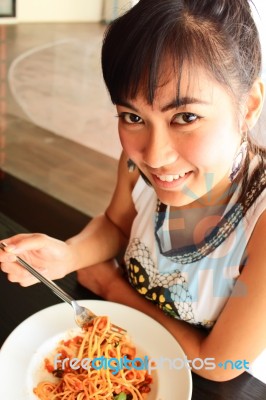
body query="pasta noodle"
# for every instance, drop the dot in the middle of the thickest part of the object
(90, 366)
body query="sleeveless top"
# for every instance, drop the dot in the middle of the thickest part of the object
(192, 283)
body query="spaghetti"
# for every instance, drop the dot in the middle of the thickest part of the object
(78, 381)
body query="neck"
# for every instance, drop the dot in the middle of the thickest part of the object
(219, 195)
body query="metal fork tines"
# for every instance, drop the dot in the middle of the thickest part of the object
(83, 316)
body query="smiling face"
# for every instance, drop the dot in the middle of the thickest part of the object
(185, 146)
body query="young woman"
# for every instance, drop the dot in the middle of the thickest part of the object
(189, 206)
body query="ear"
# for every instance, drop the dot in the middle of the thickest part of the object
(253, 106)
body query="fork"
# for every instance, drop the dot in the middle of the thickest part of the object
(83, 316)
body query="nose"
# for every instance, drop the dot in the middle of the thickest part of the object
(159, 150)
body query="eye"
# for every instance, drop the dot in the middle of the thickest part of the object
(185, 118)
(130, 118)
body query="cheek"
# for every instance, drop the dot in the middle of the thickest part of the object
(126, 145)
(200, 151)
(131, 143)
(210, 149)
(123, 140)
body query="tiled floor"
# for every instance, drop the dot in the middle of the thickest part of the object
(59, 87)
(61, 134)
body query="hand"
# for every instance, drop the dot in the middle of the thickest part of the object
(51, 257)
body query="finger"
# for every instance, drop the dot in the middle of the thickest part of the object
(8, 267)
(19, 272)
(28, 280)
(7, 257)
(24, 242)
(13, 240)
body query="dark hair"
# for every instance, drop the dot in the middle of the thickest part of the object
(219, 35)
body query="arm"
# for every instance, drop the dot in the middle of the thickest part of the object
(107, 235)
(240, 331)
(102, 239)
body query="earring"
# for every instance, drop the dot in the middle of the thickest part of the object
(131, 166)
(239, 159)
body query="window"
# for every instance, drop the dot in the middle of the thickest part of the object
(7, 8)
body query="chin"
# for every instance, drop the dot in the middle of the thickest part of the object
(175, 199)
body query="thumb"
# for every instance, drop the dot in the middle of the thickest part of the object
(24, 242)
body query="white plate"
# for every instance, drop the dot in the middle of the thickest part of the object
(38, 334)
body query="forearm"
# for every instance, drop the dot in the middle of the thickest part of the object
(192, 339)
(99, 241)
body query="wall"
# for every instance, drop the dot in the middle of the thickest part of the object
(113, 8)
(259, 13)
(57, 11)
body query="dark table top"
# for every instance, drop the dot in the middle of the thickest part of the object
(38, 212)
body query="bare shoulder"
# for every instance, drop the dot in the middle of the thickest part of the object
(256, 253)
(254, 272)
(257, 240)
(245, 310)
(121, 209)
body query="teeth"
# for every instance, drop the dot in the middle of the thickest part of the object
(170, 178)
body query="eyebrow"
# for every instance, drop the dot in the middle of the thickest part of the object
(182, 101)
(176, 103)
